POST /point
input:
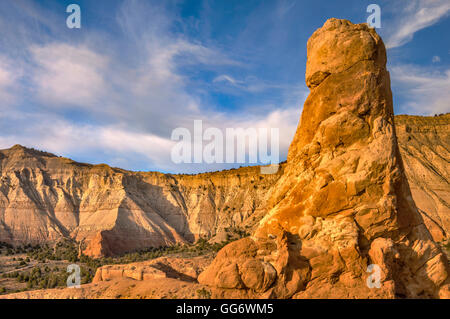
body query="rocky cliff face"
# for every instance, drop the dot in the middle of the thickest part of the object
(343, 207)
(425, 147)
(44, 197)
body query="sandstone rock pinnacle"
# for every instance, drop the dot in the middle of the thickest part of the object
(343, 203)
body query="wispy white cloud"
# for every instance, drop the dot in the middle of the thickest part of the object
(9, 77)
(227, 78)
(252, 84)
(68, 75)
(143, 89)
(135, 99)
(62, 137)
(57, 135)
(283, 7)
(412, 16)
(424, 92)
(6, 76)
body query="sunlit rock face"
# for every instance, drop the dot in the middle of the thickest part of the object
(110, 211)
(343, 202)
(424, 143)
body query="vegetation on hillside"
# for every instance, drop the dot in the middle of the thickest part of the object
(39, 270)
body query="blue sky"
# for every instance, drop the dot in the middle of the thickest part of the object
(113, 91)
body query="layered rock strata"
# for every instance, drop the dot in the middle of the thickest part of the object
(44, 198)
(424, 143)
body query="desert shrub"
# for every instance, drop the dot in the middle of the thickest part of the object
(203, 294)
(38, 279)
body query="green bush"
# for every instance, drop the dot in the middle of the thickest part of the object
(52, 277)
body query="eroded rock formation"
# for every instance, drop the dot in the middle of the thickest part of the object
(158, 278)
(425, 147)
(44, 198)
(343, 202)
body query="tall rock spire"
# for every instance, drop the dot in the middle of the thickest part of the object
(343, 203)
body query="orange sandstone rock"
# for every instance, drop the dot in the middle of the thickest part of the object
(343, 202)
